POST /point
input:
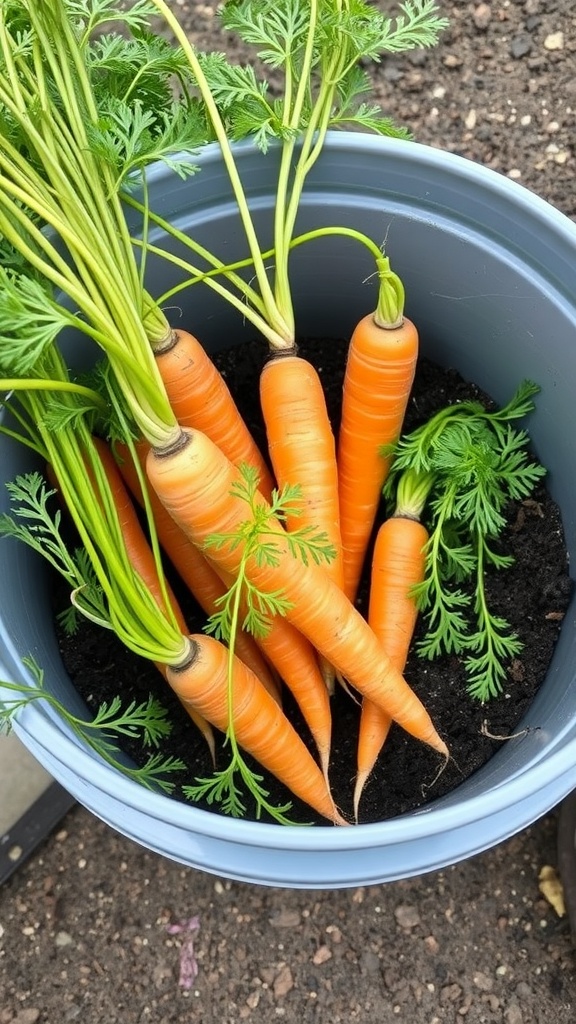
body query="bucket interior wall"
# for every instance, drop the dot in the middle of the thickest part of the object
(488, 272)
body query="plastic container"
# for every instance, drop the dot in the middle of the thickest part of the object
(489, 274)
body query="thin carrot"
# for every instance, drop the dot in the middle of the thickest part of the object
(302, 450)
(193, 567)
(302, 447)
(202, 401)
(295, 660)
(380, 371)
(398, 564)
(196, 483)
(142, 560)
(260, 726)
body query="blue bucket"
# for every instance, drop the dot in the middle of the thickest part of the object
(489, 270)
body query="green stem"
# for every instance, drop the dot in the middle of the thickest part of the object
(249, 293)
(42, 384)
(274, 316)
(412, 492)
(292, 118)
(390, 308)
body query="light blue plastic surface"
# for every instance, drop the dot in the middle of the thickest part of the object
(489, 272)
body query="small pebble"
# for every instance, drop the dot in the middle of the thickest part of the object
(483, 981)
(407, 916)
(555, 41)
(482, 17)
(28, 1016)
(513, 1014)
(520, 46)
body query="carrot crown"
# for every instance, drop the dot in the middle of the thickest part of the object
(390, 308)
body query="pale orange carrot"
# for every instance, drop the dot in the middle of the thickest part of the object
(260, 726)
(196, 483)
(380, 371)
(302, 450)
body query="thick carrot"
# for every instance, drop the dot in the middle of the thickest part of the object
(195, 482)
(379, 373)
(202, 400)
(302, 450)
(292, 656)
(398, 564)
(260, 726)
(193, 567)
(288, 651)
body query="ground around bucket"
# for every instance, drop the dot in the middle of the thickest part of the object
(93, 928)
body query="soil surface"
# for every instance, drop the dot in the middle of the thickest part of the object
(531, 595)
(94, 928)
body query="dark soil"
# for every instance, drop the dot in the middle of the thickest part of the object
(83, 923)
(532, 596)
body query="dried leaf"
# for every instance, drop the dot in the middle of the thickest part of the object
(551, 888)
(188, 962)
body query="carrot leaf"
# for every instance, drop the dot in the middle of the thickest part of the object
(222, 788)
(146, 721)
(261, 536)
(467, 463)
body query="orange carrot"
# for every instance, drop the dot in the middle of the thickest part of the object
(302, 447)
(302, 450)
(294, 658)
(260, 726)
(196, 482)
(398, 564)
(201, 400)
(379, 373)
(200, 576)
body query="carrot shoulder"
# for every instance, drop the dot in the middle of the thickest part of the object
(260, 726)
(202, 400)
(196, 484)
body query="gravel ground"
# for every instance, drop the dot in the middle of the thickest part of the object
(96, 929)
